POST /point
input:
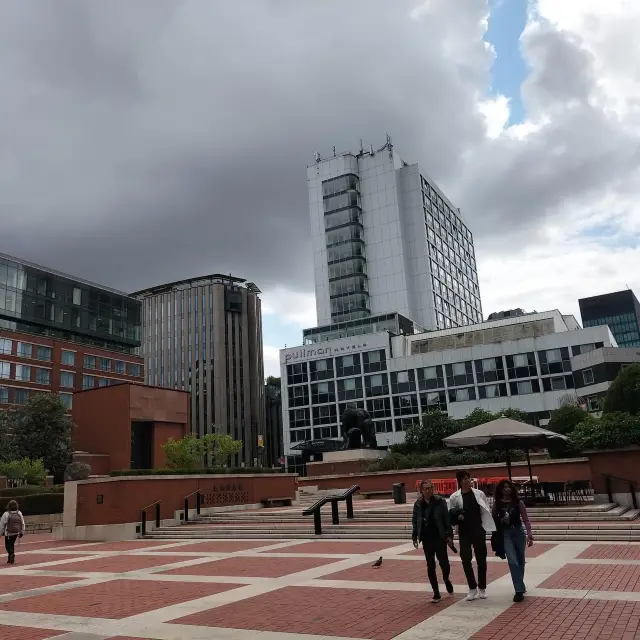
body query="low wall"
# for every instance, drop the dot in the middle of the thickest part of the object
(622, 465)
(109, 508)
(546, 470)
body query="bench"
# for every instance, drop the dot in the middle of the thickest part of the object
(376, 494)
(276, 502)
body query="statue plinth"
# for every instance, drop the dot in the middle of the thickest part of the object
(349, 455)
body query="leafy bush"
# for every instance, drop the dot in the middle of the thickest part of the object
(231, 471)
(77, 471)
(30, 471)
(28, 490)
(36, 504)
(611, 431)
(190, 452)
(624, 392)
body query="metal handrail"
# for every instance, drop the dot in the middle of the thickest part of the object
(143, 517)
(632, 487)
(314, 509)
(197, 494)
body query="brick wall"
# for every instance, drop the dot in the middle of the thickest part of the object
(122, 498)
(100, 464)
(162, 431)
(621, 463)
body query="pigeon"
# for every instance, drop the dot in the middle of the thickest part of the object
(377, 563)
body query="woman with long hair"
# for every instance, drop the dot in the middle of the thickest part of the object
(510, 515)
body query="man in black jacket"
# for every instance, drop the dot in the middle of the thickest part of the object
(431, 526)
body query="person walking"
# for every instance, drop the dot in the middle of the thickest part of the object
(510, 515)
(432, 528)
(12, 528)
(469, 510)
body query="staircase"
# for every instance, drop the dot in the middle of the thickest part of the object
(383, 520)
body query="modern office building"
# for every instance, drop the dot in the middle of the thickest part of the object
(619, 310)
(391, 252)
(204, 336)
(523, 362)
(61, 334)
(273, 442)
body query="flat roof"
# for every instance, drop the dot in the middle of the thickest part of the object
(60, 274)
(129, 383)
(211, 278)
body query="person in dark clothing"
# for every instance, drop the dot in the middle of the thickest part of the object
(469, 510)
(432, 528)
(11, 527)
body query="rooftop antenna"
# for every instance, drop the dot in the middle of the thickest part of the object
(361, 147)
(371, 149)
(317, 156)
(389, 145)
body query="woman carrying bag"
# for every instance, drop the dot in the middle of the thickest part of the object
(512, 521)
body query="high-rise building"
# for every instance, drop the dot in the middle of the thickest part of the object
(61, 334)
(619, 310)
(204, 335)
(389, 248)
(273, 443)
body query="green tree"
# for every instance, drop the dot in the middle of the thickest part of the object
(624, 392)
(41, 430)
(515, 414)
(427, 434)
(611, 431)
(32, 472)
(190, 452)
(273, 381)
(566, 418)
(477, 417)
(221, 447)
(6, 442)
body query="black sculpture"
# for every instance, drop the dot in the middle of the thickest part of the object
(357, 429)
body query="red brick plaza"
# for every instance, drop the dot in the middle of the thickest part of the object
(266, 590)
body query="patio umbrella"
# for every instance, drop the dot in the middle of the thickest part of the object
(503, 433)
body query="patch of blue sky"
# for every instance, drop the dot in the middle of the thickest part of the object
(507, 21)
(277, 333)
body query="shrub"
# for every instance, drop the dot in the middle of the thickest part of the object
(36, 504)
(29, 471)
(77, 471)
(30, 490)
(611, 431)
(186, 472)
(190, 452)
(624, 392)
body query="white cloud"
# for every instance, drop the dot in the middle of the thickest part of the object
(496, 113)
(271, 360)
(291, 307)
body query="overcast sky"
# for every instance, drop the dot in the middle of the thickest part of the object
(143, 141)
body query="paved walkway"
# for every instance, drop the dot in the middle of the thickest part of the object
(266, 590)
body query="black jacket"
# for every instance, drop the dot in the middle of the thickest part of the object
(440, 515)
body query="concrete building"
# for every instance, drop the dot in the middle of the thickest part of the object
(523, 362)
(386, 243)
(273, 442)
(619, 310)
(204, 336)
(62, 334)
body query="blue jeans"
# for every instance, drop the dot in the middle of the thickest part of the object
(514, 546)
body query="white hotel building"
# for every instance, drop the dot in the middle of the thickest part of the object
(400, 324)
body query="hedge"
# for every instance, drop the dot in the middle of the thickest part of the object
(36, 504)
(30, 490)
(190, 472)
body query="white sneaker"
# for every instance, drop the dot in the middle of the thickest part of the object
(472, 595)
(482, 594)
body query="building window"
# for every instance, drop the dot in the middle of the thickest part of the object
(524, 387)
(348, 365)
(120, 367)
(402, 381)
(430, 378)
(383, 426)
(298, 418)
(351, 404)
(462, 395)
(68, 358)
(134, 370)
(321, 369)
(374, 361)
(522, 365)
(298, 396)
(6, 345)
(323, 392)
(24, 350)
(43, 376)
(379, 407)
(77, 296)
(405, 405)
(300, 435)
(349, 389)
(376, 385)
(403, 423)
(67, 400)
(5, 370)
(67, 380)
(434, 401)
(90, 362)
(23, 372)
(103, 382)
(297, 373)
(325, 415)
(557, 383)
(593, 403)
(4, 395)
(88, 382)
(322, 433)
(490, 370)
(460, 373)
(21, 396)
(105, 364)
(583, 348)
(555, 361)
(492, 391)
(44, 353)
(587, 376)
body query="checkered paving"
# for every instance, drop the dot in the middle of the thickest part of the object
(237, 589)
